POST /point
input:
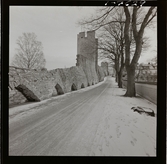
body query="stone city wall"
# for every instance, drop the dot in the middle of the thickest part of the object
(31, 85)
(37, 85)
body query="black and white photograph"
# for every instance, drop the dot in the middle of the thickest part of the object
(83, 80)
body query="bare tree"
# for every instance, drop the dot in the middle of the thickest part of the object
(111, 47)
(154, 60)
(135, 21)
(112, 44)
(29, 52)
(138, 32)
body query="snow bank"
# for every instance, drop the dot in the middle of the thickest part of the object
(30, 108)
(121, 131)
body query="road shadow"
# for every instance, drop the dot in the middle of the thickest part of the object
(137, 96)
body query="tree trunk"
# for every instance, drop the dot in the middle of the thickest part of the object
(138, 74)
(120, 78)
(131, 92)
(116, 77)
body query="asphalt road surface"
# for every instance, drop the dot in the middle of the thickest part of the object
(51, 131)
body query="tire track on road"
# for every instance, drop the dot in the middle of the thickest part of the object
(28, 142)
(41, 128)
(74, 130)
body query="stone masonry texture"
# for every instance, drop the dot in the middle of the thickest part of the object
(37, 85)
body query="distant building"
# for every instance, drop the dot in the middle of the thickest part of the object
(144, 73)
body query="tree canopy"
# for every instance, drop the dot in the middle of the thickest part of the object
(29, 52)
(134, 20)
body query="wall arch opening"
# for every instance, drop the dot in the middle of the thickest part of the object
(59, 89)
(73, 87)
(92, 83)
(88, 84)
(28, 94)
(82, 86)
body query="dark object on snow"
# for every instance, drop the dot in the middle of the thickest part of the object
(141, 110)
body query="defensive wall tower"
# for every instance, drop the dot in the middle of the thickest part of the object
(37, 85)
(87, 46)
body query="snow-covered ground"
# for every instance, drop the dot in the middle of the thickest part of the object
(30, 108)
(123, 132)
(111, 129)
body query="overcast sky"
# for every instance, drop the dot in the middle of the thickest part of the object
(56, 28)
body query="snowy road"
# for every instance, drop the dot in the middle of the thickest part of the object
(90, 122)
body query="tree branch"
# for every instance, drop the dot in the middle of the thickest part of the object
(126, 34)
(134, 27)
(145, 21)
